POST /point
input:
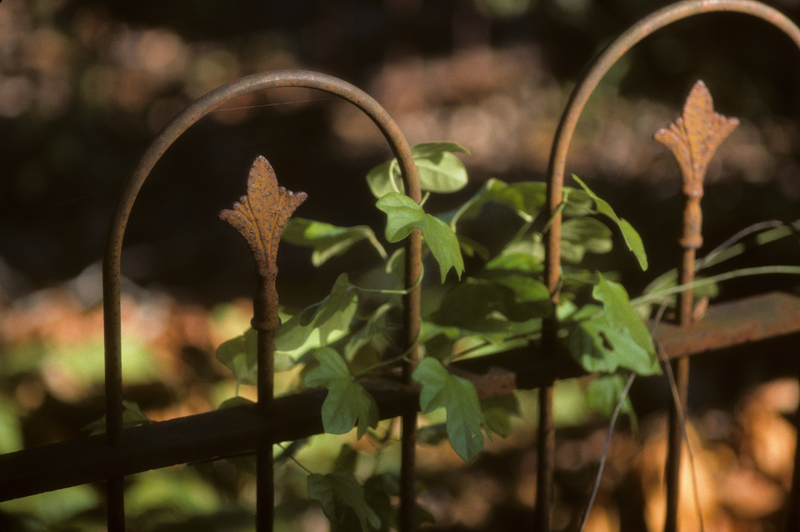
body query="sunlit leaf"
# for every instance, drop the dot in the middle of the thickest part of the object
(239, 355)
(600, 348)
(338, 492)
(347, 402)
(621, 315)
(328, 240)
(438, 168)
(632, 238)
(132, 416)
(459, 399)
(404, 216)
(520, 262)
(582, 235)
(332, 314)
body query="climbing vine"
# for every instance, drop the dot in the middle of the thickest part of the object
(495, 302)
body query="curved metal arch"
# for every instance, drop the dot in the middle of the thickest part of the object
(555, 183)
(168, 135)
(599, 67)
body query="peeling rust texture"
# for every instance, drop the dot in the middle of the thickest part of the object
(729, 324)
(693, 139)
(260, 217)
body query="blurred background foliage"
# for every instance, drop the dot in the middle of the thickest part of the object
(85, 86)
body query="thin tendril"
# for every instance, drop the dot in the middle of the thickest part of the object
(597, 478)
(293, 459)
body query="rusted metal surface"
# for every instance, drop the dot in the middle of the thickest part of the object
(260, 217)
(580, 95)
(693, 140)
(734, 323)
(130, 190)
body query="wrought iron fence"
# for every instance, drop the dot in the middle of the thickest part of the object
(260, 217)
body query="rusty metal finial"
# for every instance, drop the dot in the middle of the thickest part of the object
(693, 139)
(260, 217)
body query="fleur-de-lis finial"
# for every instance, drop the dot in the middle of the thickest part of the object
(260, 218)
(693, 138)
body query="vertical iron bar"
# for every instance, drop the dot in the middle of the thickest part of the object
(680, 369)
(408, 464)
(265, 475)
(115, 504)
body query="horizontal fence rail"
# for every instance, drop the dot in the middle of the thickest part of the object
(237, 430)
(120, 452)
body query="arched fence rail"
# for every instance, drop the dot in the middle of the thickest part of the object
(121, 452)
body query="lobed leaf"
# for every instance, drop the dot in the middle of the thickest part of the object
(338, 492)
(632, 238)
(334, 313)
(438, 168)
(598, 347)
(621, 315)
(404, 216)
(239, 355)
(328, 240)
(459, 399)
(347, 403)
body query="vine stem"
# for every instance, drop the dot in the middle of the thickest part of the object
(742, 272)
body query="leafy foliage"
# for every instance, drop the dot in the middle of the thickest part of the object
(498, 304)
(339, 492)
(327, 240)
(404, 216)
(630, 235)
(346, 402)
(438, 167)
(458, 397)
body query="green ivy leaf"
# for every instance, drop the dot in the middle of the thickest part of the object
(621, 315)
(328, 240)
(459, 399)
(338, 492)
(599, 348)
(347, 402)
(132, 416)
(404, 216)
(239, 354)
(498, 411)
(632, 238)
(372, 333)
(525, 198)
(334, 313)
(438, 168)
(479, 304)
(582, 235)
(603, 394)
